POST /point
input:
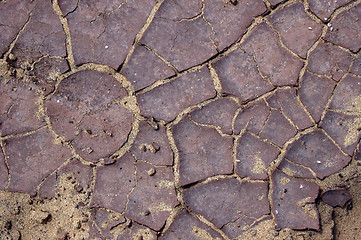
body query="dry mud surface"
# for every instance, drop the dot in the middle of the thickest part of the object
(180, 119)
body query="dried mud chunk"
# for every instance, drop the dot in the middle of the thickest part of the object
(186, 226)
(31, 158)
(144, 68)
(3, 172)
(346, 29)
(167, 101)
(278, 129)
(347, 96)
(153, 198)
(253, 116)
(229, 22)
(223, 201)
(344, 129)
(18, 108)
(44, 33)
(239, 76)
(330, 61)
(316, 151)
(356, 67)
(13, 15)
(152, 145)
(184, 44)
(136, 231)
(275, 63)
(298, 31)
(287, 102)
(315, 93)
(336, 197)
(203, 152)
(295, 170)
(79, 173)
(113, 184)
(324, 8)
(254, 157)
(85, 111)
(47, 71)
(294, 202)
(218, 113)
(103, 33)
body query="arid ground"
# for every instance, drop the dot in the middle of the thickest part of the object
(180, 119)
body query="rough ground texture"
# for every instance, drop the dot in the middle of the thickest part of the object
(180, 119)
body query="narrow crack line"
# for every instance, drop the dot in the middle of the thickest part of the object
(300, 165)
(334, 92)
(3, 152)
(265, 140)
(24, 134)
(320, 76)
(217, 128)
(285, 116)
(66, 162)
(140, 34)
(208, 223)
(12, 44)
(169, 64)
(135, 179)
(280, 41)
(349, 113)
(68, 44)
(265, 78)
(334, 142)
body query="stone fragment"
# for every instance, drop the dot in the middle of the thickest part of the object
(286, 101)
(218, 113)
(13, 16)
(75, 170)
(144, 68)
(344, 129)
(347, 96)
(153, 198)
(32, 158)
(18, 108)
(113, 184)
(345, 29)
(229, 22)
(186, 226)
(152, 145)
(275, 62)
(315, 93)
(298, 31)
(3, 172)
(324, 8)
(254, 156)
(104, 31)
(295, 170)
(183, 43)
(44, 33)
(203, 152)
(316, 151)
(239, 76)
(84, 110)
(223, 201)
(336, 197)
(356, 67)
(329, 60)
(167, 101)
(294, 202)
(278, 129)
(253, 116)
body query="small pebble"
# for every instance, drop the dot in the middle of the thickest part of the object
(151, 172)
(310, 28)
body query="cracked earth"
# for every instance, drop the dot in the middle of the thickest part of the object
(180, 119)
